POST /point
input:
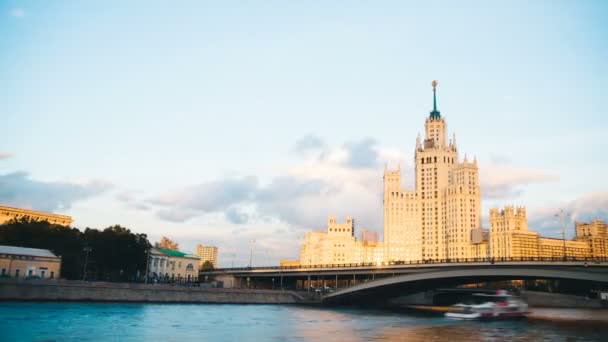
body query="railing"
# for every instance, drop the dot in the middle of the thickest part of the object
(417, 262)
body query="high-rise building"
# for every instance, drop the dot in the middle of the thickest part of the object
(207, 253)
(441, 217)
(436, 219)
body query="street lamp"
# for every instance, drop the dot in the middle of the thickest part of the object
(147, 265)
(251, 243)
(563, 215)
(86, 249)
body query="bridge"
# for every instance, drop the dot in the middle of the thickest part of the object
(370, 282)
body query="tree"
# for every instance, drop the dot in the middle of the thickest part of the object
(116, 254)
(207, 266)
(167, 243)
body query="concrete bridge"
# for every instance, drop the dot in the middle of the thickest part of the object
(362, 283)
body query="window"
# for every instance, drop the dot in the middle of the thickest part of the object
(52, 275)
(16, 273)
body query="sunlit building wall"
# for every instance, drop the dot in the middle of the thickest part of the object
(8, 213)
(207, 253)
(511, 238)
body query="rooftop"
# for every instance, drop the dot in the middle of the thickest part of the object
(174, 253)
(14, 250)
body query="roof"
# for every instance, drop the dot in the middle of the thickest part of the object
(35, 212)
(174, 253)
(14, 250)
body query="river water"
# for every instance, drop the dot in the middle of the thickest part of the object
(26, 321)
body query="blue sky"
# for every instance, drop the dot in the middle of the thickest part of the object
(223, 122)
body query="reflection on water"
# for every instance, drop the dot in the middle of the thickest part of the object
(185, 322)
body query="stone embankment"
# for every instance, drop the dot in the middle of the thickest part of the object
(43, 290)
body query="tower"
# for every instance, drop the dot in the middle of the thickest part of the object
(434, 160)
(436, 219)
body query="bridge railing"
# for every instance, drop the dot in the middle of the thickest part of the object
(421, 262)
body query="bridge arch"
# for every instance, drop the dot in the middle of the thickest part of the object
(422, 281)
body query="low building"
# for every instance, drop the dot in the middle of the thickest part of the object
(510, 238)
(168, 266)
(207, 253)
(8, 213)
(21, 262)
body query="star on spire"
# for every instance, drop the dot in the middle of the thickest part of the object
(435, 114)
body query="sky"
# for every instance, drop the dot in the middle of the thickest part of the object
(244, 124)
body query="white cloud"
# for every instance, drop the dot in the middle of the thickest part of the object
(17, 12)
(499, 180)
(18, 189)
(584, 208)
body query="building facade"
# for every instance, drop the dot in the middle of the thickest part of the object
(510, 238)
(167, 266)
(8, 213)
(207, 253)
(435, 220)
(21, 262)
(440, 219)
(338, 245)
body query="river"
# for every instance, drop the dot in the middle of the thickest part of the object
(28, 321)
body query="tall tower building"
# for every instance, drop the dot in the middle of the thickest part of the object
(435, 220)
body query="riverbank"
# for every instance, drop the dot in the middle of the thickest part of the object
(43, 290)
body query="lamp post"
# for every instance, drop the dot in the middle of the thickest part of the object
(563, 215)
(147, 265)
(86, 250)
(251, 243)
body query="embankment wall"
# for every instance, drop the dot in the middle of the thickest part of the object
(120, 292)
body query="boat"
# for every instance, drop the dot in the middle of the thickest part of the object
(490, 306)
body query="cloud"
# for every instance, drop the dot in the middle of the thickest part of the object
(583, 209)
(309, 142)
(236, 216)
(214, 196)
(4, 155)
(17, 12)
(498, 180)
(362, 154)
(18, 189)
(345, 180)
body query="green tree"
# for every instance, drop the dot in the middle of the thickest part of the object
(116, 253)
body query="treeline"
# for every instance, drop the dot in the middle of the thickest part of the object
(114, 254)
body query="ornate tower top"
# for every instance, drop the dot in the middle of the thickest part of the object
(435, 114)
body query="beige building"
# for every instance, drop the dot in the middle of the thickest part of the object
(8, 213)
(167, 265)
(595, 234)
(338, 245)
(207, 253)
(510, 238)
(436, 219)
(21, 262)
(441, 217)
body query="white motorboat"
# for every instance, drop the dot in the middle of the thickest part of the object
(490, 306)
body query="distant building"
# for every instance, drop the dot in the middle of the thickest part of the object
(510, 238)
(21, 262)
(289, 263)
(8, 213)
(167, 265)
(339, 246)
(368, 236)
(207, 253)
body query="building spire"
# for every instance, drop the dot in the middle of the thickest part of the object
(435, 114)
